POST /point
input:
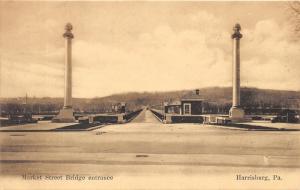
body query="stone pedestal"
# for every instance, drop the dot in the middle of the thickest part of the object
(236, 113)
(66, 115)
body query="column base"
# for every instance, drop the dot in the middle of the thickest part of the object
(236, 114)
(66, 115)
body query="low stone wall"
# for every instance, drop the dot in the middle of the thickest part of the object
(171, 118)
(176, 118)
(100, 118)
(214, 119)
(187, 119)
(106, 118)
(4, 123)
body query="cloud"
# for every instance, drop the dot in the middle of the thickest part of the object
(34, 73)
(161, 59)
(269, 58)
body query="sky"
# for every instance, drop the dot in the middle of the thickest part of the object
(144, 46)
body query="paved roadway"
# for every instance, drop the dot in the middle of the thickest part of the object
(146, 117)
(146, 154)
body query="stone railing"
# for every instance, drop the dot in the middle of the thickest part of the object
(131, 115)
(158, 114)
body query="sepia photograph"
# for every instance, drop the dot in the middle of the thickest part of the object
(148, 95)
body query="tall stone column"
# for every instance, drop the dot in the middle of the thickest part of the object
(67, 114)
(236, 112)
(68, 66)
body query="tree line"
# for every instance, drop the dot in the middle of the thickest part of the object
(216, 100)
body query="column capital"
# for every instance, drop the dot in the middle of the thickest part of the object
(237, 34)
(68, 34)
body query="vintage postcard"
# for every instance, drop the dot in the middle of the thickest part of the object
(134, 95)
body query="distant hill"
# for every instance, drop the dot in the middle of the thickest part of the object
(214, 95)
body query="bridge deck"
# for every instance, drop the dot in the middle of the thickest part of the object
(145, 117)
